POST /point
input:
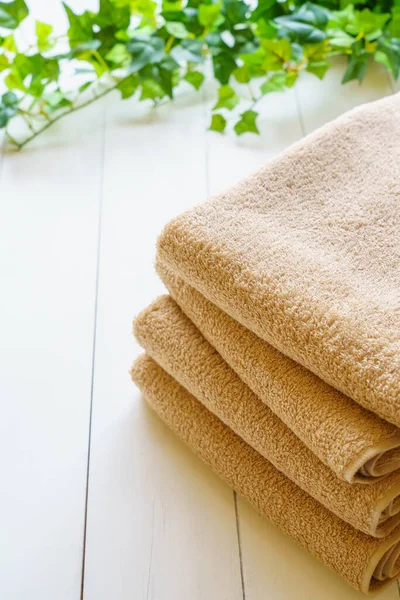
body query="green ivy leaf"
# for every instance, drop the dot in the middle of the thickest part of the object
(209, 15)
(247, 123)
(118, 55)
(368, 24)
(195, 79)
(189, 51)
(388, 53)
(80, 27)
(43, 32)
(276, 83)
(145, 10)
(394, 25)
(12, 13)
(128, 86)
(177, 30)
(8, 108)
(305, 24)
(151, 90)
(56, 100)
(145, 51)
(9, 44)
(357, 64)
(276, 53)
(242, 74)
(223, 65)
(227, 98)
(235, 11)
(218, 123)
(318, 67)
(4, 62)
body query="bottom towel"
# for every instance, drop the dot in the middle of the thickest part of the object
(365, 562)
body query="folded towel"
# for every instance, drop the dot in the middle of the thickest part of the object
(306, 252)
(172, 340)
(356, 444)
(365, 562)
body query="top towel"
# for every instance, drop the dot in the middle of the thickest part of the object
(306, 254)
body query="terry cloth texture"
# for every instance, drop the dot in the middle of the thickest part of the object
(365, 562)
(172, 340)
(305, 253)
(356, 444)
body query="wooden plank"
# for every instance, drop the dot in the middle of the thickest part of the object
(48, 244)
(160, 524)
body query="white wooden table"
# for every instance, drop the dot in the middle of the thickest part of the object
(99, 500)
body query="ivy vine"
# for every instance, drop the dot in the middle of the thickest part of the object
(146, 49)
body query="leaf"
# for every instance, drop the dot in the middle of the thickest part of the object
(56, 100)
(305, 24)
(388, 54)
(43, 31)
(145, 10)
(394, 25)
(80, 27)
(340, 39)
(277, 53)
(276, 83)
(4, 62)
(235, 11)
(14, 81)
(151, 90)
(218, 123)
(209, 15)
(357, 64)
(227, 98)
(84, 50)
(128, 86)
(247, 123)
(112, 15)
(368, 24)
(145, 51)
(223, 65)
(118, 54)
(195, 79)
(9, 44)
(291, 78)
(12, 13)
(8, 108)
(300, 32)
(189, 51)
(9, 99)
(177, 29)
(84, 86)
(242, 74)
(318, 67)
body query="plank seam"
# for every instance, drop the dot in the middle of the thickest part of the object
(99, 228)
(239, 545)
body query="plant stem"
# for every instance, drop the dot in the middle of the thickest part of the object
(169, 43)
(20, 145)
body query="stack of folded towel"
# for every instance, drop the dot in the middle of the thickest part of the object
(276, 356)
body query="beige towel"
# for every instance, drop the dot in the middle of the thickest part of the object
(356, 444)
(365, 562)
(306, 254)
(171, 339)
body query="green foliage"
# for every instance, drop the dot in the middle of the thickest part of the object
(146, 49)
